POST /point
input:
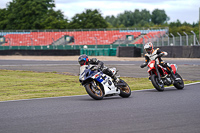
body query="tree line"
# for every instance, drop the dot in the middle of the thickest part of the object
(40, 14)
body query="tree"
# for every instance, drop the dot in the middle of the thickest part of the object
(126, 19)
(137, 16)
(89, 19)
(33, 14)
(3, 21)
(159, 16)
(55, 20)
(114, 21)
(129, 18)
(145, 16)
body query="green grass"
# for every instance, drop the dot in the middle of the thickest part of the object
(16, 85)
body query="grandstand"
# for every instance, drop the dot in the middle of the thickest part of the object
(105, 37)
(92, 42)
(95, 42)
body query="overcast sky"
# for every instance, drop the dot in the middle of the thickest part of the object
(184, 10)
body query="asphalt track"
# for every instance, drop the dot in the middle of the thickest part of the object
(148, 111)
(188, 69)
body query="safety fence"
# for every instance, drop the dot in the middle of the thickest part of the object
(165, 40)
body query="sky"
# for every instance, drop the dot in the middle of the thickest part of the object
(183, 10)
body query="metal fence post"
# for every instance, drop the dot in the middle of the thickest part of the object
(32, 47)
(9, 43)
(147, 38)
(143, 40)
(53, 43)
(162, 40)
(157, 39)
(180, 38)
(167, 39)
(173, 38)
(96, 41)
(194, 37)
(186, 38)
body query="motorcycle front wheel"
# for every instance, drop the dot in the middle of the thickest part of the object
(159, 86)
(125, 91)
(94, 91)
(179, 84)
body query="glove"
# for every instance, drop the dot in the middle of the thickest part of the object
(95, 68)
(143, 65)
(160, 55)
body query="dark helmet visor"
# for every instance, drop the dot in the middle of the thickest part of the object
(148, 50)
(82, 62)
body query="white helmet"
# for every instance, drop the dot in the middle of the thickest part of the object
(148, 47)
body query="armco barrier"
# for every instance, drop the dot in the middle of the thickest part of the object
(41, 52)
(128, 52)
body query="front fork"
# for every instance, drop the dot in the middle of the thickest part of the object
(158, 73)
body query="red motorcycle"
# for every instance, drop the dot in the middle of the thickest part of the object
(160, 77)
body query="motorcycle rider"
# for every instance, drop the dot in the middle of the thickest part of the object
(84, 60)
(153, 54)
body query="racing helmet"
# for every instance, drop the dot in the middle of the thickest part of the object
(83, 60)
(148, 47)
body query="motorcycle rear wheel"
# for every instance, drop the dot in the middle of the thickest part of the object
(179, 84)
(158, 86)
(124, 91)
(94, 92)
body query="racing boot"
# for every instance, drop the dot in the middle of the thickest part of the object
(110, 73)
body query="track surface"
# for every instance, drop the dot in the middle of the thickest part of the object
(188, 69)
(171, 111)
(174, 111)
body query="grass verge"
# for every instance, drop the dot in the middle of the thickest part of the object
(16, 85)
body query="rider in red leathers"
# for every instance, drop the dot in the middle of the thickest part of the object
(153, 54)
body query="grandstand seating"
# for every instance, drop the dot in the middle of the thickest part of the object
(151, 35)
(81, 37)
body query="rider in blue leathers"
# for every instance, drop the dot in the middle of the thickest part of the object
(84, 60)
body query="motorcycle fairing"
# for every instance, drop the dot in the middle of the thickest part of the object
(174, 68)
(106, 81)
(151, 66)
(98, 77)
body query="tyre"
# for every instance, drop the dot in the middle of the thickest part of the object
(179, 84)
(158, 86)
(94, 92)
(124, 91)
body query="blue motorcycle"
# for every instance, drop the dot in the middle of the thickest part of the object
(99, 85)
